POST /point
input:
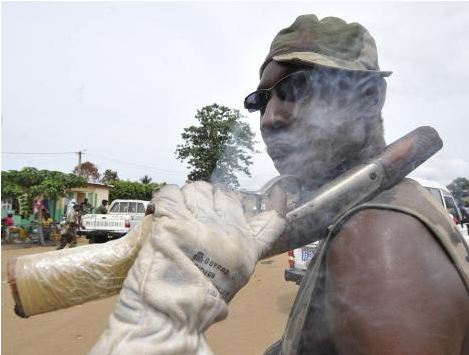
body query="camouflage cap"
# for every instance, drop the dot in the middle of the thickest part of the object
(330, 42)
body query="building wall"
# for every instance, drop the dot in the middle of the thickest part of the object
(94, 193)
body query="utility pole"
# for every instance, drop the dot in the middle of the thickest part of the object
(80, 152)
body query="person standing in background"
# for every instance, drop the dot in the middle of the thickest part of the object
(8, 223)
(46, 226)
(102, 209)
(41, 214)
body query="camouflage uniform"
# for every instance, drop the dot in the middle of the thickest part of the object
(68, 234)
(101, 210)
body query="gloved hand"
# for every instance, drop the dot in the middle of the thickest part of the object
(202, 250)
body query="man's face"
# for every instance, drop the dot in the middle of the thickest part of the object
(315, 131)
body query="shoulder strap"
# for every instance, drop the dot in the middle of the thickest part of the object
(407, 197)
(410, 198)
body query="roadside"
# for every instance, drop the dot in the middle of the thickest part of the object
(257, 316)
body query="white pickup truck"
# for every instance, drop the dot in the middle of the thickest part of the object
(122, 217)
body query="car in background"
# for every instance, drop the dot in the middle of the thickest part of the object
(300, 258)
(122, 217)
(444, 197)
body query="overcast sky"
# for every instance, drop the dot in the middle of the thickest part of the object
(122, 80)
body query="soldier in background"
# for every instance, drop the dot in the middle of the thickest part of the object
(68, 234)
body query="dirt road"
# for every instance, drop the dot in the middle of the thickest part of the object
(257, 317)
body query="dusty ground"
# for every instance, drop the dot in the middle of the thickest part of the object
(257, 317)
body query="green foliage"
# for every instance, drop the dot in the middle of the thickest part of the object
(145, 179)
(459, 182)
(9, 188)
(109, 176)
(46, 183)
(459, 187)
(219, 147)
(31, 182)
(133, 190)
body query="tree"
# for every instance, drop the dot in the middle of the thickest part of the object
(87, 170)
(10, 188)
(460, 182)
(29, 183)
(145, 179)
(459, 187)
(109, 176)
(133, 190)
(219, 147)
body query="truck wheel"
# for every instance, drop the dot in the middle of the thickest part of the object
(96, 239)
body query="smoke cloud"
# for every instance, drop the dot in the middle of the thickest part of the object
(333, 124)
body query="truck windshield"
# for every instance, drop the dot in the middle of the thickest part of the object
(451, 207)
(115, 208)
(124, 207)
(435, 193)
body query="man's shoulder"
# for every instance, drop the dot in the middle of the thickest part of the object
(402, 210)
(368, 224)
(407, 192)
(385, 240)
(388, 211)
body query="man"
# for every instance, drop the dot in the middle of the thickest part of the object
(320, 97)
(102, 209)
(41, 213)
(85, 206)
(47, 226)
(68, 234)
(381, 282)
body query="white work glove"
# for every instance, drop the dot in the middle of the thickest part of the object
(202, 250)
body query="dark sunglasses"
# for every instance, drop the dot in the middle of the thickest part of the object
(292, 87)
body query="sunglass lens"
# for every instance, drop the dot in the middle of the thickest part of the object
(256, 101)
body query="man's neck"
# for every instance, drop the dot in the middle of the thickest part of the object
(371, 148)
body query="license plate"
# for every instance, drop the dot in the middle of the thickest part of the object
(103, 224)
(306, 255)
